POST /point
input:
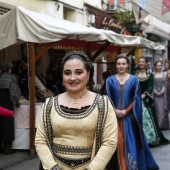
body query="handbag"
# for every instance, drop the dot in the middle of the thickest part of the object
(6, 112)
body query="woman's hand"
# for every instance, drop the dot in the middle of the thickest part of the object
(143, 96)
(120, 113)
(158, 94)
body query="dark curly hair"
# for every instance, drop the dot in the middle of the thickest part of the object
(146, 60)
(81, 56)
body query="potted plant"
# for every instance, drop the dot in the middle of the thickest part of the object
(127, 19)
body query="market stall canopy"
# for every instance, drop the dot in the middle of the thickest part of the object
(157, 8)
(21, 25)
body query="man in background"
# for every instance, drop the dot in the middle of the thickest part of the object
(9, 96)
(162, 61)
(149, 67)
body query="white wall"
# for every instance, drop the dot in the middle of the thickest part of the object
(47, 7)
(75, 3)
(55, 10)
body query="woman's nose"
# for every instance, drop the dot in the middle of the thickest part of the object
(73, 77)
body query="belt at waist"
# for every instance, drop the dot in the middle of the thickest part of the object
(72, 163)
(72, 150)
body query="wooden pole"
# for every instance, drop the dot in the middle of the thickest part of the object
(131, 51)
(43, 51)
(32, 97)
(99, 51)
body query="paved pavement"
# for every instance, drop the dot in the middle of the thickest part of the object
(162, 153)
(22, 161)
(18, 161)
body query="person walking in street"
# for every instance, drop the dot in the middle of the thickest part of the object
(124, 90)
(151, 128)
(9, 96)
(160, 97)
(149, 67)
(77, 129)
(162, 61)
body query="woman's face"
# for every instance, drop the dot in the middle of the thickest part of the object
(75, 75)
(142, 63)
(166, 66)
(158, 66)
(122, 65)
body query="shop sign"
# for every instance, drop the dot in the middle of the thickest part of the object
(108, 23)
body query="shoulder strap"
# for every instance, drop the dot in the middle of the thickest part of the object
(100, 123)
(47, 123)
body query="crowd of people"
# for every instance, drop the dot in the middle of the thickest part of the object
(84, 130)
(151, 127)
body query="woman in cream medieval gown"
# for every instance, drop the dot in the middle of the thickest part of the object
(77, 129)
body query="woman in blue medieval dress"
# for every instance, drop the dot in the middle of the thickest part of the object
(133, 151)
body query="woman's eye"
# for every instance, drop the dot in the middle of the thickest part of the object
(67, 73)
(79, 72)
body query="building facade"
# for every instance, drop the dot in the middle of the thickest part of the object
(85, 12)
(97, 14)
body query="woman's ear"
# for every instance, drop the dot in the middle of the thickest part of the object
(88, 74)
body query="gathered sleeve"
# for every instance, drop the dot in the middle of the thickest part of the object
(109, 139)
(42, 148)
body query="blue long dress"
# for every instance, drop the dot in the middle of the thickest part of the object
(133, 151)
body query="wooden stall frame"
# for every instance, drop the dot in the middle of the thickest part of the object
(32, 97)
